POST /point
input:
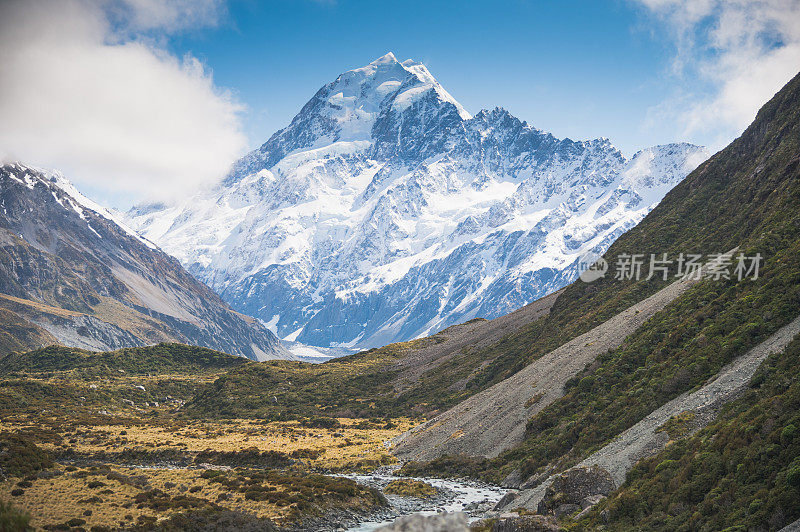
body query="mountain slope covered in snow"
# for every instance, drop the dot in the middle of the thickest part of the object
(385, 211)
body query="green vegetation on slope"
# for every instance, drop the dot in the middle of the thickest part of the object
(742, 471)
(158, 359)
(354, 386)
(20, 457)
(73, 381)
(12, 519)
(678, 350)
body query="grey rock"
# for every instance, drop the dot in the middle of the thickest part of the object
(565, 509)
(506, 500)
(444, 522)
(570, 490)
(524, 523)
(591, 500)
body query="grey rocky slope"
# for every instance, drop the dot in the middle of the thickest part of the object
(385, 212)
(71, 272)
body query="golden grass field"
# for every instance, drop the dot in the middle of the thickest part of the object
(94, 493)
(104, 441)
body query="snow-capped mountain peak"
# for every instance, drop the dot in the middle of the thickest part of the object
(375, 101)
(384, 211)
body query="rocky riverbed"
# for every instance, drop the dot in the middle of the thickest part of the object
(474, 498)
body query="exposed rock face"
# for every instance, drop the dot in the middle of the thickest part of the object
(506, 499)
(446, 522)
(575, 489)
(385, 212)
(72, 271)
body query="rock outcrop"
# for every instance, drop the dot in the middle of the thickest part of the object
(576, 489)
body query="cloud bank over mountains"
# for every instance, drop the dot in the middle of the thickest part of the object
(89, 87)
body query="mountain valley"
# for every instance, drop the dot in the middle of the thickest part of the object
(661, 399)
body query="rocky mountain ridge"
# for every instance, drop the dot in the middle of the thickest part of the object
(72, 272)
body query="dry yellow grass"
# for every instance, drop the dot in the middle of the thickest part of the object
(339, 447)
(66, 496)
(41, 307)
(57, 500)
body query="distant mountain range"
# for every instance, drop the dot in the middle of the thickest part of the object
(72, 273)
(384, 212)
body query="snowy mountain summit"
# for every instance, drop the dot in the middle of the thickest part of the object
(385, 211)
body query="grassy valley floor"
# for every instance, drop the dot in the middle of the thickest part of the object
(101, 441)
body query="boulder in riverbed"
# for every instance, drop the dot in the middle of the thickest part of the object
(444, 522)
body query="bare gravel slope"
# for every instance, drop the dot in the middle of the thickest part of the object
(492, 421)
(475, 335)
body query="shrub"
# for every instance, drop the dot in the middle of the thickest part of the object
(666, 464)
(447, 466)
(310, 454)
(793, 476)
(12, 519)
(321, 423)
(755, 506)
(789, 433)
(410, 488)
(20, 457)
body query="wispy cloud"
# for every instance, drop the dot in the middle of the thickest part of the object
(734, 54)
(88, 87)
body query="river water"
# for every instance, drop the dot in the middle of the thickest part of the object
(453, 496)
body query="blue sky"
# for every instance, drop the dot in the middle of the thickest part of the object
(580, 69)
(140, 100)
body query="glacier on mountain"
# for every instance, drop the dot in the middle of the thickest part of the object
(384, 211)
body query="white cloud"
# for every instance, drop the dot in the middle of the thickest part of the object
(733, 54)
(86, 89)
